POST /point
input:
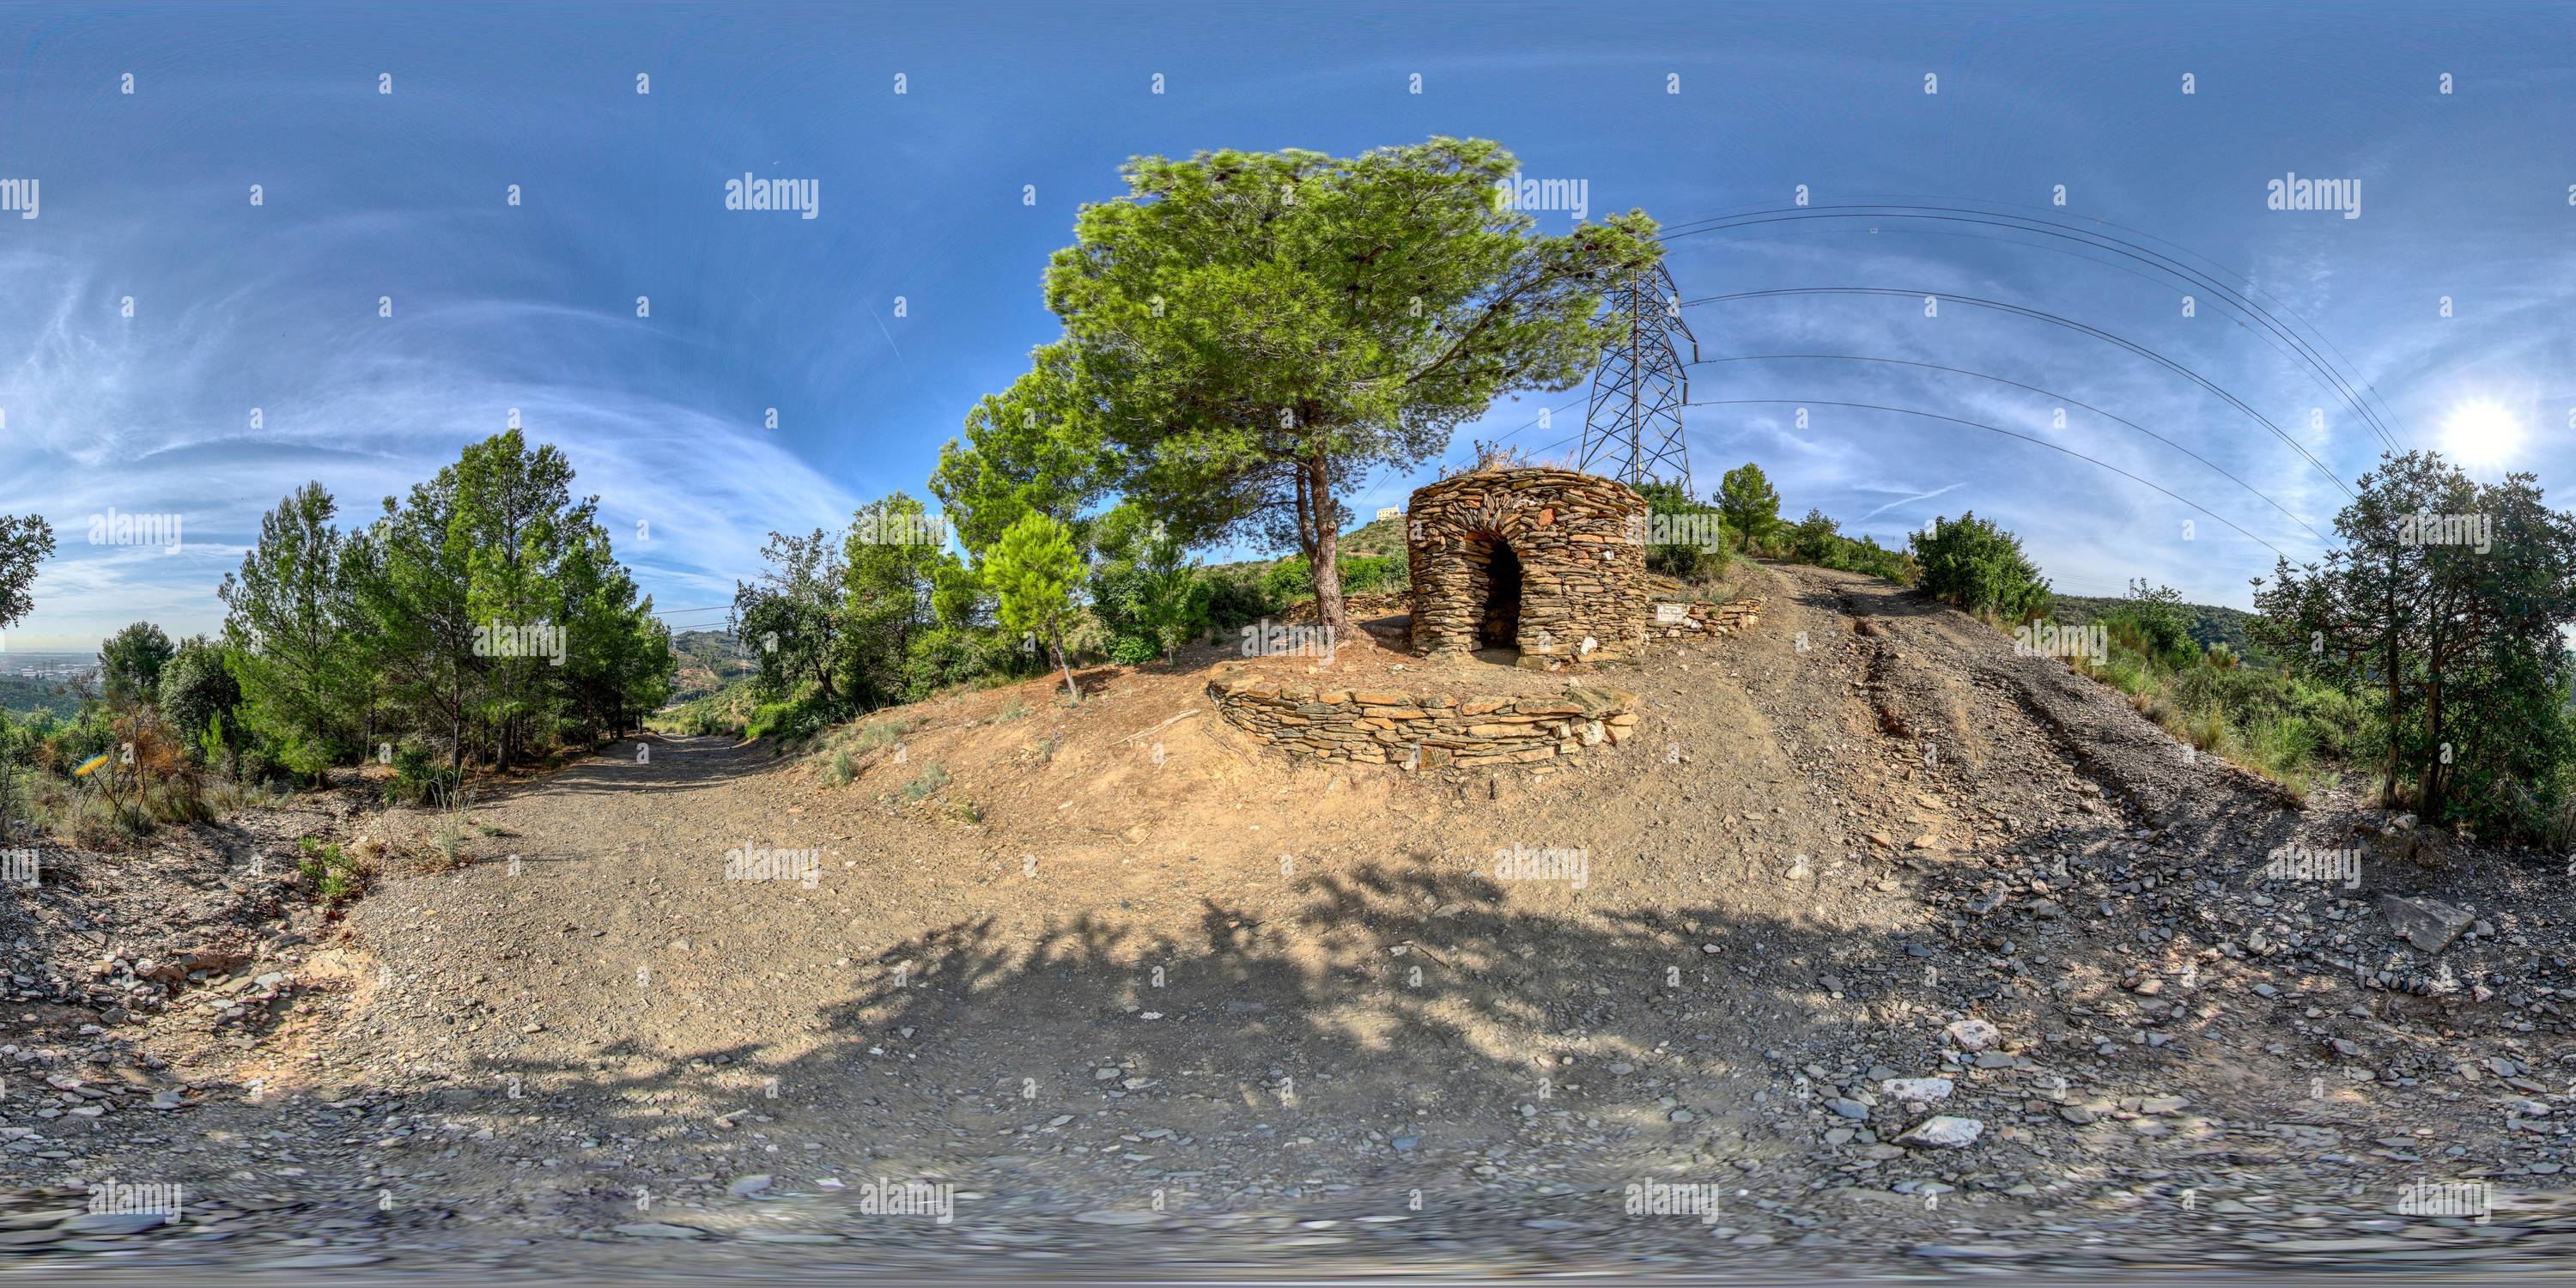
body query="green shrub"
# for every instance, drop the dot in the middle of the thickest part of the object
(329, 873)
(1674, 512)
(1375, 574)
(1237, 598)
(1976, 565)
(419, 776)
(1288, 582)
(945, 657)
(2154, 622)
(199, 696)
(793, 721)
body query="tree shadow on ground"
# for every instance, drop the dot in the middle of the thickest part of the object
(1395, 1002)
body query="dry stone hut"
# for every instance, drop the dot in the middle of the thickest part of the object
(1549, 562)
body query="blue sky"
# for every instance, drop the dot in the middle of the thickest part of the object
(367, 196)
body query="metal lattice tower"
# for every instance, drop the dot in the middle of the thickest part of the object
(1633, 424)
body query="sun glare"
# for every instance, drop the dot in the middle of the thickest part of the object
(2481, 434)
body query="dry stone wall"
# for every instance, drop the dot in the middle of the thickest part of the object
(1677, 618)
(1382, 727)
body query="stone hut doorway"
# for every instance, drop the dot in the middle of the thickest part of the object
(1497, 590)
(1547, 563)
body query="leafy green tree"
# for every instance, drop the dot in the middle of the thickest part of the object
(1748, 501)
(2448, 602)
(1147, 592)
(619, 662)
(1976, 565)
(515, 505)
(1256, 330)
(410, 580)
(130, 662)
(1038, 445)
(892, 561)
(197, 691)
(1033, 569)
(286, 625)
(25, 542)
(790, 617)
(493, 614)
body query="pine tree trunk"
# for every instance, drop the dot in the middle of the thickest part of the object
(1326, 565)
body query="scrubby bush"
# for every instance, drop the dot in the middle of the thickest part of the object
(1689, 560)
(1237, 597)
(200, 696)
(1976, 565)
(1869, 557)
(794, 720)
(1375, 575)
(328, 872)
(421, 775)
(2154, 622)
(928, 782)
(944, 657)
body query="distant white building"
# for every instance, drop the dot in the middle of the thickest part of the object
(1390, 512)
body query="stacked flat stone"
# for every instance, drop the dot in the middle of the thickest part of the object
(1420, 731)
(1579, 538)
(1703, 616)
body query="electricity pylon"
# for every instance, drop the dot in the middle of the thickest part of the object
(1634, 422)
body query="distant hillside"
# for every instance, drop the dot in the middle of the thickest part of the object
(1374, 538)
(17, 694)
(2210, 624)
(709, 660)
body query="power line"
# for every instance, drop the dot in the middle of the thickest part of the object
(2045, 316)
(2326, 371)
(1853, 357)
(1908, 411)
